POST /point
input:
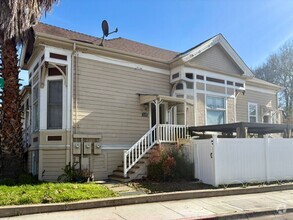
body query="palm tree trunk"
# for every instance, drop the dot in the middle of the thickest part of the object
(11, 152)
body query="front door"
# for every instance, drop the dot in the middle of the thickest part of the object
(162, 115)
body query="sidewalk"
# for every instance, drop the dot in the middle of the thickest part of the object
(277, 203)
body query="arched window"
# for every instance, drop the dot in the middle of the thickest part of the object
(179, 86)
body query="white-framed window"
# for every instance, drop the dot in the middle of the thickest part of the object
(252, 112)
(216, 110)
(36, 109)
(54, 104)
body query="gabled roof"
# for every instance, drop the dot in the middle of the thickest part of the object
(143, 50)
(217, 39)
(122, 44)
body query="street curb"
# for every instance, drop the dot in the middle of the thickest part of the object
(250, 214)
(8, 211)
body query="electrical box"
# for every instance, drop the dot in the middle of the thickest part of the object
(87, 147)
(97, 148)
(76, 147)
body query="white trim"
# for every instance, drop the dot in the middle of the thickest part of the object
(258, 89)
(222, 41)
(55, 146)
(256, 111)
(44, 104)
(213, 93)
(115, 147)
(222, 110)
(132, 65)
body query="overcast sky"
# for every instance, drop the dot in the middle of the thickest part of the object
(254, 28)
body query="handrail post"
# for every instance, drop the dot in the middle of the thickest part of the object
(125, 163)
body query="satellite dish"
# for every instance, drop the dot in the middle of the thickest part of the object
(105, 28)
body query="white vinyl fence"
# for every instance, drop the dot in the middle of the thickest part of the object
(220, 161)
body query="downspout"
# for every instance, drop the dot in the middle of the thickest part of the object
(235, 101)
(73, 72)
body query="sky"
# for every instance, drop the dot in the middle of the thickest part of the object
(254, 28)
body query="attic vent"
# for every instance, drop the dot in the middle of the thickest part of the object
(58, 56)
(54, 138)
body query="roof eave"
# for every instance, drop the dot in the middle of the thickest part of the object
(247, 73)
(99, 48)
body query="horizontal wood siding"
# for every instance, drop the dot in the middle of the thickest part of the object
(230, 110)
(53, 161)
(105, 163)
(217, 59)
(200, 109)
(254, 97)
(108, 101)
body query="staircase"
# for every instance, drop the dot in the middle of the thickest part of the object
(134, 164)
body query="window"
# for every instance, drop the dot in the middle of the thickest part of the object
(36, 117)
(176, 75)
(215, 107)
(179, 86)
(252, 112)
(54, 110)
(189, 85)
(189, 75)
(200, 77)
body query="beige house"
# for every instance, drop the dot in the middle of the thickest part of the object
(101, 105)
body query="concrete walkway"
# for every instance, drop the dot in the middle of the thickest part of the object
(274, 204)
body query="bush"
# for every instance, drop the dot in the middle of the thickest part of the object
(7, 182)
(71, 174)
(169, 163)
(26, 178)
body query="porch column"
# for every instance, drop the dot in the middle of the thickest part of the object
(157, 103)
(185, 113)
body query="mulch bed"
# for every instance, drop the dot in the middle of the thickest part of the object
(151, 187)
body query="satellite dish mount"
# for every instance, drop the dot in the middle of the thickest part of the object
(105, 28)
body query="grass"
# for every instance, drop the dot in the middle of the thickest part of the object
(52, 193)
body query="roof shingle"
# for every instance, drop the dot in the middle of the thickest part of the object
(122, 44)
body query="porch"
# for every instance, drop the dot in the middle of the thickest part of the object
(168, 118)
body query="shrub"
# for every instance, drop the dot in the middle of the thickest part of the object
(71, 174)
(26, 178)
(169, 162)
(7, 182)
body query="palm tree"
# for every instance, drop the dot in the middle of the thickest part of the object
(16, 19)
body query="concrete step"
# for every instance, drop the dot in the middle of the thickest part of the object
(121, 173)
(121, 167)
(119, 178)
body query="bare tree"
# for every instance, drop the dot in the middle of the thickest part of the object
(278, 69)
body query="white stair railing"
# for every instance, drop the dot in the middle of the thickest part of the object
(163, 133)
(138, 150)
(171, 133)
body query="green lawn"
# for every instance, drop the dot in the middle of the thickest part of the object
(52, 193)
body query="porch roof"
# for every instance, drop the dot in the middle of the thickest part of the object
(146, 98)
